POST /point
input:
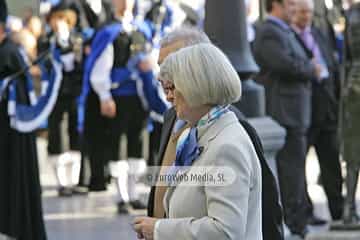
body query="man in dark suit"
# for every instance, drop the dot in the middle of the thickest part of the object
(323, 130)
(286, 71)
(271, 208)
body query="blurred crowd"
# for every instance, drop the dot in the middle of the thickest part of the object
(92, 63)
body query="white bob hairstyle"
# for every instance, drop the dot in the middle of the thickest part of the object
(203, 75)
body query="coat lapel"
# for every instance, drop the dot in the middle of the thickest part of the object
(307, 51)
(206, 135)
(323, 46)
(165, 132)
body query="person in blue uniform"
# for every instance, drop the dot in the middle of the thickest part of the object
(63, 19)
(20, 193)
(119, 90)
(94, 13)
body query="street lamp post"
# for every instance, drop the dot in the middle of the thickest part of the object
(225, 24)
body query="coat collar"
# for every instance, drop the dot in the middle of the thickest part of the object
(210, 132)
(279, 22)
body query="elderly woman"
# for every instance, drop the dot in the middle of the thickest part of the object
(205, 84)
